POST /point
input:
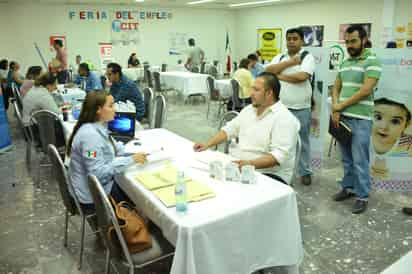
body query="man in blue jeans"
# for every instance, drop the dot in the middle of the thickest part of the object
(294, 70)
(352, 103)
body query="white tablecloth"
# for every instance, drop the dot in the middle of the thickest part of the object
(72, 95)
(243, 229)
(135, 74)
(224, 87)
(402, 266)
(186, 82)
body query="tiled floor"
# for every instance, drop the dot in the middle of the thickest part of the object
(335, 241)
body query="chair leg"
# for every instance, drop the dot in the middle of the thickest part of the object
(28, 155)
(38, 171)
(66, 228)
(330, 146)
(82, 242)
(208, 107)
(107, 271)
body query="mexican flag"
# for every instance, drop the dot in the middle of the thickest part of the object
(91, 154)
(228, 52)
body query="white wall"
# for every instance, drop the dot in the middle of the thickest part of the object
(22, 25)
(330, 13)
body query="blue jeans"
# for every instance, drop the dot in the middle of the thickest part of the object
(305, 118)
(355, 158)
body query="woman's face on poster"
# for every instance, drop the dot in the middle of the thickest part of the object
(389, 123)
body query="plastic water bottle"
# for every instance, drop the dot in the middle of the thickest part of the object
(181, 193)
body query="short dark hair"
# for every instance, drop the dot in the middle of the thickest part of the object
(45, 79)
(298, 31)
(252, 57)
(33, 72)
(116, 68)
(12, 64)
(191, 42)
(271, 82)
(368, 44)
(58, 42)
(84, 66)
(4, 63)
(359, 28)
(244, 63)
(385, 101)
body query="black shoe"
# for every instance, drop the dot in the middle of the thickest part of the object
(342, 195)
(306, 180)
(407, 210)
(359, 206)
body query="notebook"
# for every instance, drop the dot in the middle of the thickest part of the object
(122, 127)
(343, 134)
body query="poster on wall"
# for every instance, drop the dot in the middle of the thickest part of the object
(178, 43)
(55, 37)
(391, 144)
(400, 36)
(125, 28)
(269, 42)
(105, 54)
(343, 27)
(312, 35)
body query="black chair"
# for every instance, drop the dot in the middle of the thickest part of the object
(25, 132)
(214, 96)
(202, 67)
(237, 103)
(148, 103)
(159, 112)
(17, 96)
(145, 73)
(50, 131)
(157, 84)
(149, 78)
(164, 67)
(116, 247)
(70, 200)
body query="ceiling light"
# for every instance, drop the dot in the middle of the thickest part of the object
(139, 0)
(200, 2)
(252, 3)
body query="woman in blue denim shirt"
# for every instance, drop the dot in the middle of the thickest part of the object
(93, 151)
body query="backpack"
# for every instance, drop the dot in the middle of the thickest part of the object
(312, 80)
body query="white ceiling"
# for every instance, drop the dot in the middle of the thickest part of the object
(219, 4)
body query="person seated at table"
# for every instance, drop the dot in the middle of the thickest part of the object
(124, 89)
(256, 68)
(245, 79)
(133, 62)
(13, 77)
(93, 151)
(87, 79)
(39, 97)
(32, 74)
(267, 132)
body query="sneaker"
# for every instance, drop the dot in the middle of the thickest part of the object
(342, 195)
(359, 206)
(407, 210)
(306, 180)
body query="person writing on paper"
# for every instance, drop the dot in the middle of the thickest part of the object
(267, 132)
(87, 79)
(352, 102)
(93, 151)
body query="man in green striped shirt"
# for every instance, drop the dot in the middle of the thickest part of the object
(352, 103)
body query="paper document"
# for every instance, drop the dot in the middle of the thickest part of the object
(154, 152)
(196, 191)
(158, 179)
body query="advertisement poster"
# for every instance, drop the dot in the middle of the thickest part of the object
(269, 42)
(105, 54)
(178, 43)
(343, 27)
(312, 35)
(391, 146)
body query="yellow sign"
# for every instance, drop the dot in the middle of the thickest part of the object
(269, 43)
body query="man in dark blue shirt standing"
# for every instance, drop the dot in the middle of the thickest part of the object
(124, 89)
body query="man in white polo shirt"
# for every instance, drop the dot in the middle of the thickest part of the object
(266, 129)
(294, 70)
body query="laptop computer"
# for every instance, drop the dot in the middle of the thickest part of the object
(122, 127)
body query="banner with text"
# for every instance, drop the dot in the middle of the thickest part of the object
(269, 42)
